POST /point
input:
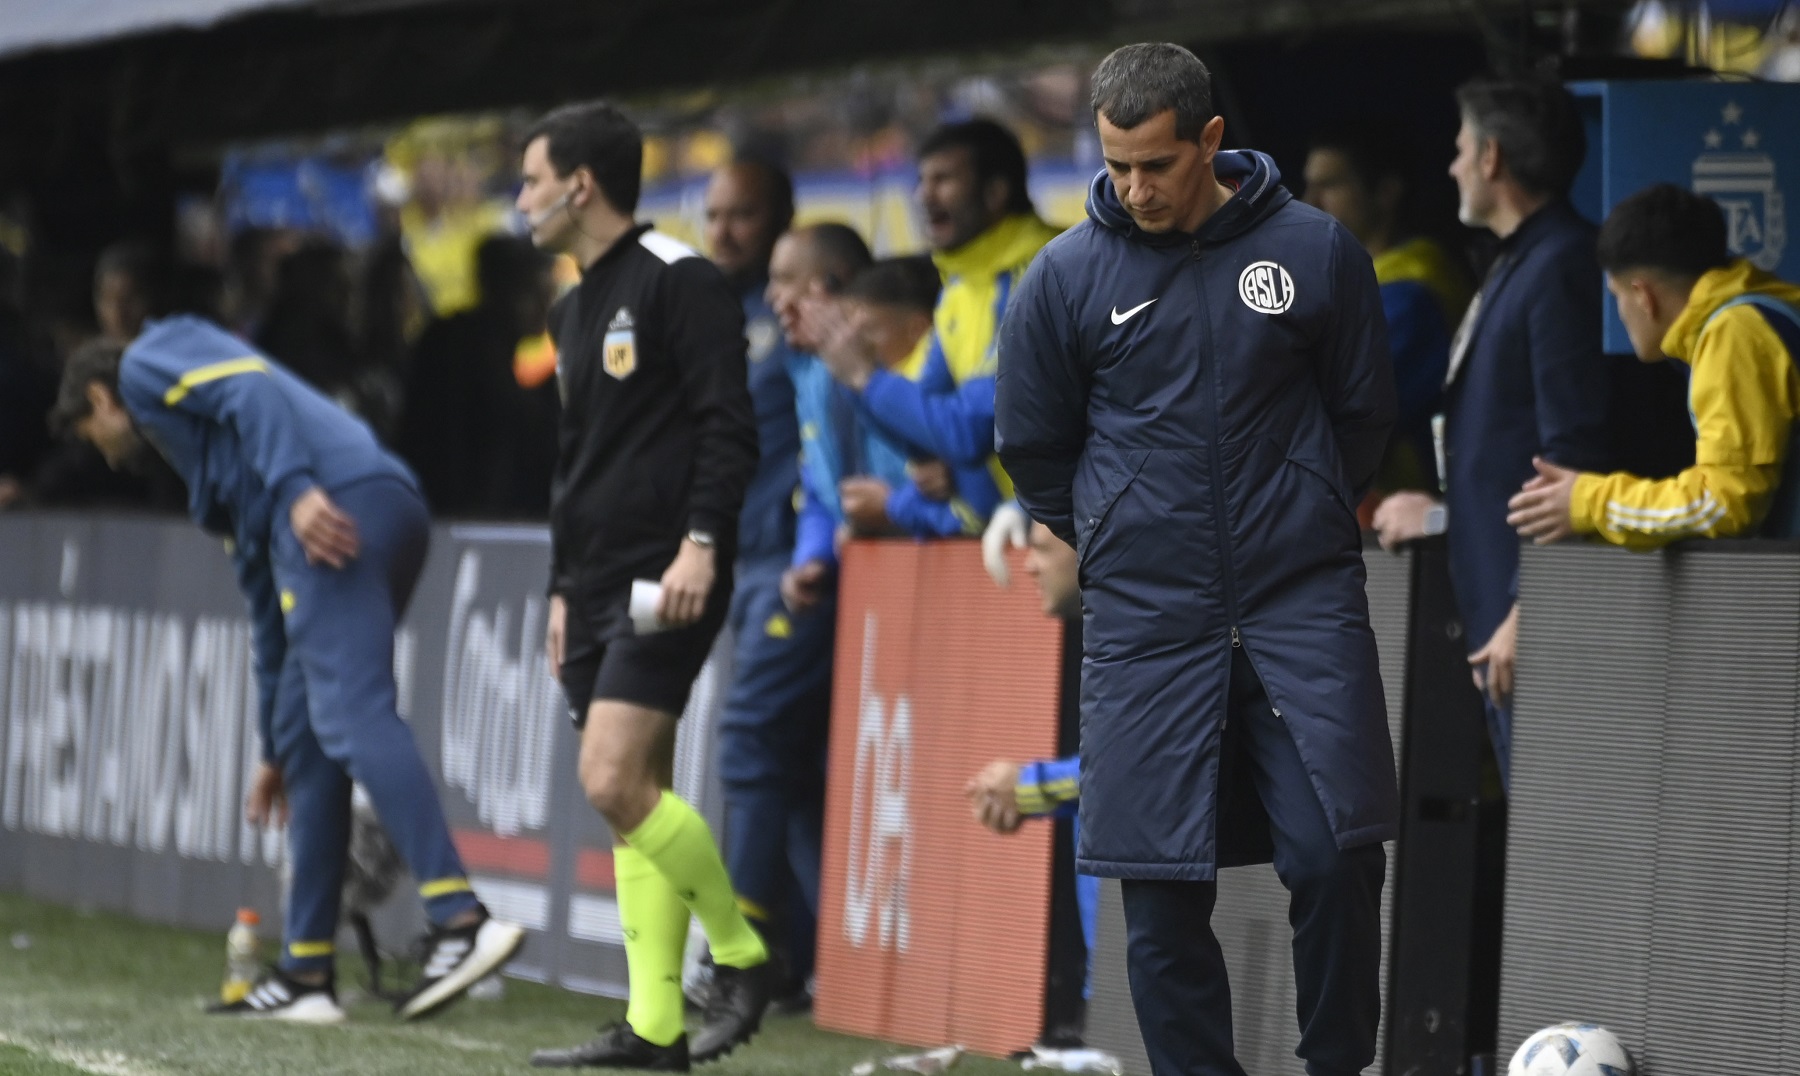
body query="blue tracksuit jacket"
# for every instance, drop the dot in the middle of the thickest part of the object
(838, 443)
(247, 437)
(1199, 414)
(766, 525)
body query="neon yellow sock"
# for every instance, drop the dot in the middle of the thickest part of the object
(655, 924)
(676, 839)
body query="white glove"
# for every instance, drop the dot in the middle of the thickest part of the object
(1009, 524)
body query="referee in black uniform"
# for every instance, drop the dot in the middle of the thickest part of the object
(657, 444)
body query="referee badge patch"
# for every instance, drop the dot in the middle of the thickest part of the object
(619, 349)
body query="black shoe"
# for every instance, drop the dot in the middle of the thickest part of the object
(457, 959)
(277, 997)
(735, 1010)
(617, 1047)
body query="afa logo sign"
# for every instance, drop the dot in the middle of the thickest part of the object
(1734, 172)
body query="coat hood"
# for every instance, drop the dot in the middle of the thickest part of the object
(1713, 290)
(1259, 194)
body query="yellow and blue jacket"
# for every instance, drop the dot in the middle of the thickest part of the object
(1740, 334)
(1050, 787)
(941, 403)
(1423, 296)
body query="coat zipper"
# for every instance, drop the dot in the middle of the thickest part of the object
(1218, 476)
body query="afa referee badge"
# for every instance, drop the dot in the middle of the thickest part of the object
(619, 349)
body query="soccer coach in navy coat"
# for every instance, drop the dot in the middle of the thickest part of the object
(1194, 390)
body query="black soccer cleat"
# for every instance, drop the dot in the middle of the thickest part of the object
(617, 1047)
(277, 997)
(734, 1012)
(457, 959)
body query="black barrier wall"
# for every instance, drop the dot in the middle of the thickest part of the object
(1655, 805)
(127, 733)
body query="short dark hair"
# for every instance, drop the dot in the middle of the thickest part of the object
(995, 152)
(96, 360)
(1139, 81)
(1664, 228)
(1371, 149)
(779, 187)
(597, 136)
(1536, 124)
(841, 253)
(911, 282)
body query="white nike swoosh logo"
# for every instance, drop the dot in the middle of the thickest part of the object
(1120, 319)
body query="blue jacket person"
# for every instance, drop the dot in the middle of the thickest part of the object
(1193, 390)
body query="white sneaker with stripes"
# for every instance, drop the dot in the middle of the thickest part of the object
(456, 959)
(277, 997)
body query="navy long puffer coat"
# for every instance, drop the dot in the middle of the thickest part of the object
(1198, 414)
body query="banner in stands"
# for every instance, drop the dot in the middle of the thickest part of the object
(932, 929)
(128, 733)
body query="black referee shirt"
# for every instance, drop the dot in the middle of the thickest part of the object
(657, 435)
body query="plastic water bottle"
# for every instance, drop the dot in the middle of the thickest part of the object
(242, 957)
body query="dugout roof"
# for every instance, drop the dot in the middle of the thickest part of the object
(209, 69)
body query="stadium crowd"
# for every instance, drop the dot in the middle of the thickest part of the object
(873, 382)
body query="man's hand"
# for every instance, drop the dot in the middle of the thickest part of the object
(993, 796)
(686, 585)
(803, 586)
(556, 634)
(267, 803)
(1009, 526)
(326, 533)
(1541, 510)
(11, 490)
(933, 478)
(1401, 518)
(844, 353)
(1494, 663)
(865, 505)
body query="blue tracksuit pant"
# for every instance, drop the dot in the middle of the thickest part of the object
(336, 721)
(1177, 972)
(772, 752)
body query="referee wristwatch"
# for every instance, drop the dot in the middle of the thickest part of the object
(703, 539)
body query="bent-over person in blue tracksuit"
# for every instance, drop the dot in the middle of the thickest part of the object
(328, 533)
(1194, 391)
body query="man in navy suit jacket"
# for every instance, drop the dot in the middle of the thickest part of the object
(1527, 377)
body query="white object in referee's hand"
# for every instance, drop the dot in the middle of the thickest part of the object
(646, 595)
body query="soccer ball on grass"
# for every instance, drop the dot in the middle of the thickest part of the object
(1571, 1050)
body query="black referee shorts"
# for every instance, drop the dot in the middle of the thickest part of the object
(604, 659)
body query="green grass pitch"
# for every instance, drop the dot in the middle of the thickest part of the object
(101, 994)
